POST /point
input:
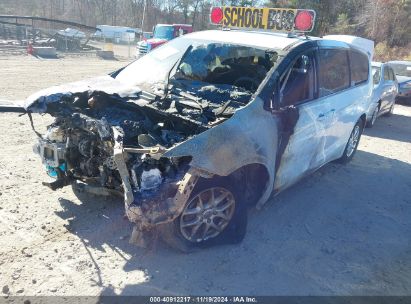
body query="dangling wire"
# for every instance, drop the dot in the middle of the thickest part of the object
(32, 125)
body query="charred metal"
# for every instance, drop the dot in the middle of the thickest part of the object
(159, 142)
(115, 137)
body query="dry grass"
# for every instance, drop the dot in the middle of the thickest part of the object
(383, 52)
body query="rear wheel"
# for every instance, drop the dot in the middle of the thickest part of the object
(374, 116)
(391, 110)
(352, 143)
(214, 214)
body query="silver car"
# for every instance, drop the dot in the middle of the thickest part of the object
(384, 92)
(402, 70)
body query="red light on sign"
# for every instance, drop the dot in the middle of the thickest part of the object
(303, 21)
(216, 15)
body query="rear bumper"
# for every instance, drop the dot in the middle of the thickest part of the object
(404, 93)
(403, 98)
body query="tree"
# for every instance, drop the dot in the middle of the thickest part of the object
(380, 20)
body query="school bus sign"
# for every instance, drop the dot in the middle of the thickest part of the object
(273, 19)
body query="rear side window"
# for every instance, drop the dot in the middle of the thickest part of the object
(376, 74)
(392, 75)
(359, 67)
(334, 73)
(387, 75)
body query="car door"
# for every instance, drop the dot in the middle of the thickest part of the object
(394, 88)
(388, 89)
(344, 77)
(306, 147)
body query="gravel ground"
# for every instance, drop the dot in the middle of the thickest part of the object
(345, 230)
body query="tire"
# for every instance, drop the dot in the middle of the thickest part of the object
(403, 100)
(374, 117)
(232, 230)
(391, 111)
(352, 144)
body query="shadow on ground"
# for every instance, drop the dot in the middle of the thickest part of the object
(395, 127)
(342, 230)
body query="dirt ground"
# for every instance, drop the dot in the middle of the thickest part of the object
(345, 230)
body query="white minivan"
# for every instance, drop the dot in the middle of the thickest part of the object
(203, 127)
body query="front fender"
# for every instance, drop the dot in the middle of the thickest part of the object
(250, 136)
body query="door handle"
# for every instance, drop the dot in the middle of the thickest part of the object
(322, 115)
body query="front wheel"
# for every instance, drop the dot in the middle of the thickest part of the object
(352, 143)
(214, 214)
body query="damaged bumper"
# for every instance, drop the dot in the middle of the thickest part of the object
(150, 145)
(146, 209)
(160, 209)
(150, 209)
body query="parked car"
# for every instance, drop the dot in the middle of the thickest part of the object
(402, 70)
(161, 34)
(72, 33)
(116, 34)
(146, 35)
(384, 92)
(207, 125)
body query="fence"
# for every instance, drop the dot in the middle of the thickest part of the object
(14, 39)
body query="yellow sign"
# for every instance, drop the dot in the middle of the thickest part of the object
(276, 19)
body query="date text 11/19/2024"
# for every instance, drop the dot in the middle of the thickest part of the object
(203, 299)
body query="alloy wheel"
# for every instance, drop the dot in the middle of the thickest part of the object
(207, 214)
(374, 116)
(353, 141)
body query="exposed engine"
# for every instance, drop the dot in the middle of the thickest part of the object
(210, 83)
(86, 150)
(79, 144)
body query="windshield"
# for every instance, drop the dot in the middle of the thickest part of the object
(164, 32)
(205, 61)
(376, 74)
(401, 69)
(221, 63)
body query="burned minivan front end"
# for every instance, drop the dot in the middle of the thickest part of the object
(119, 134)
(80, 147)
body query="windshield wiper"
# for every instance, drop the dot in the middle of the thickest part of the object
(177, 63)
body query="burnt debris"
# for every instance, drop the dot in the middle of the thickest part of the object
(209, 83)
(148, 122)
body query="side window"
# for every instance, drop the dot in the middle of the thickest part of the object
(376, 73)
(181, 31)
(392, 77)
(387, 76)
(334, 73)
(359, 67)
(297, 84)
